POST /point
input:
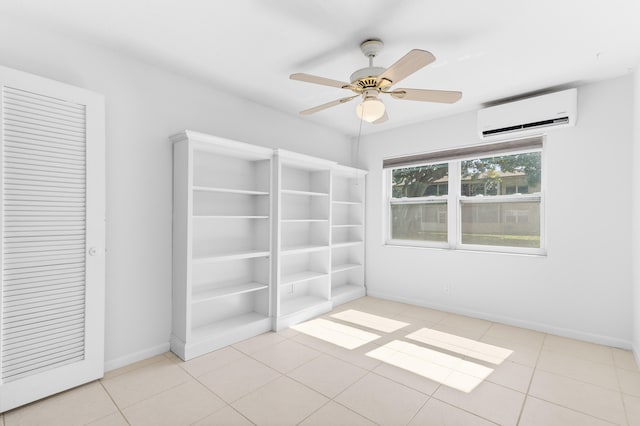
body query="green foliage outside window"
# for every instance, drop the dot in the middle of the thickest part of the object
(415, 181)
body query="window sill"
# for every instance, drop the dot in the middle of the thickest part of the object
(466, 248)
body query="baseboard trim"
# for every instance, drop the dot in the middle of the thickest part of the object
(135, 357)
(544, 328)
(636, 354)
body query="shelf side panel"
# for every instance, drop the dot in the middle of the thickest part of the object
(181, 240)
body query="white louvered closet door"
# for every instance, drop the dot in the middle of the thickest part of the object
(52, 232)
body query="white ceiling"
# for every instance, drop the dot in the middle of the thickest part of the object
(488, 49)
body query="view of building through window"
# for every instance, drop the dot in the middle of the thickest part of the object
(419, 203)
(498, 198)
(512, 221)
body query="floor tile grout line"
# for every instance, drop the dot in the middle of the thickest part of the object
(347, 388)
(154, 394)
(226, 404)
(465, 410)
(581, 380)
(220, 409)
(353, 411)
(624, 404)
(533, 373)
(328, 401)
(407, 386)
(573, 410)
(562, 352)
(633, 369)
(114, 402)
(332, 355)
(536, 368)
(351, 385)
(282, 372)
(419, 409)
(205, 386)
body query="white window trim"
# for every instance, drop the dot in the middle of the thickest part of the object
(454, 209)
(435, 199)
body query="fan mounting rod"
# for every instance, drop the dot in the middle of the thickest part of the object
(370, 49)
(365, 78)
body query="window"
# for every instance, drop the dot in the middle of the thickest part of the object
(480, 198)
(493, 218)
(419, 203)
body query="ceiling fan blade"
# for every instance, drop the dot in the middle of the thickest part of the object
(382, 119)
(405, 66)
(308, 78)
(424, 95)
(327, 105)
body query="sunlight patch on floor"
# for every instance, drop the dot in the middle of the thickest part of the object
(461, 345)
(337, 334)
(375, 322)
(446, 369)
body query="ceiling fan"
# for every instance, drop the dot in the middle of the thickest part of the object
(371, 81)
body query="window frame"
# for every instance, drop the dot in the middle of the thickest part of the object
(431, 199)
(455, 200)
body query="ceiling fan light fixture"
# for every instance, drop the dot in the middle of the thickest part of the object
(369, 82)
(370, 109)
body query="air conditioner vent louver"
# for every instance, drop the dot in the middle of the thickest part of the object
(535, 125)
(528, 116)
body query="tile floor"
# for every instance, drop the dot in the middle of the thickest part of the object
(367, 362)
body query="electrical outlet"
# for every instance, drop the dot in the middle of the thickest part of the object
(446, 288)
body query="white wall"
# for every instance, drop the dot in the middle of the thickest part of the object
(635, 252)
(144, 106)
(582, 288)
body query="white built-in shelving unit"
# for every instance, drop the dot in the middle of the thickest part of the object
(222, 243)
(302, 247)
(347, 234)
(263, 239)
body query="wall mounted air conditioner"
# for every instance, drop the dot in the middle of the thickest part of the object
(530, 115)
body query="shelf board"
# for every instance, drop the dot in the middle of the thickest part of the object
(303, 220)
(304, 193)
(291, 306)
(346, 244)
(231, 290)
(231, 256)
(300, 277)
(206, 216)
(344, 267)
(229, 190)
(348, 225)
(348, 203)
(302, 249)
(226, 326)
